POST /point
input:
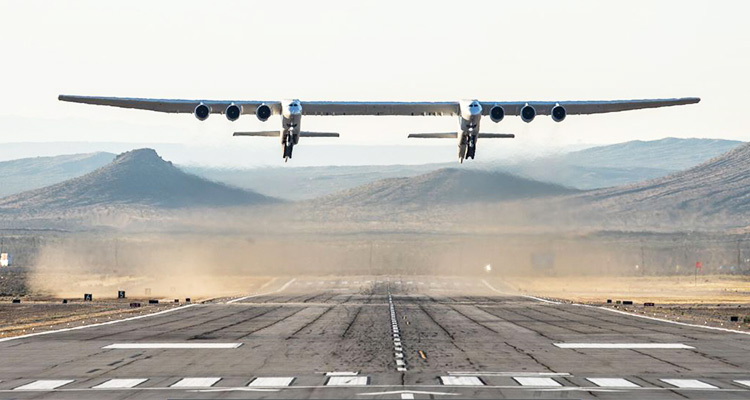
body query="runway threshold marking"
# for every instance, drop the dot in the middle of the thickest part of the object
(612, 382)
(623, 346)
(195, 382)
(127, 346)
(271, 381)
(461, 381)
(347, 381)
(342, 373)
(688, 384)
(536, 382)
(282, 288)
(45, 384)
(511, 374)
(120, 384)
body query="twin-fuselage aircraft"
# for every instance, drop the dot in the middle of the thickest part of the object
(469, 112)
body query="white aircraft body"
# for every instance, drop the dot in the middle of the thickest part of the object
(469, 112)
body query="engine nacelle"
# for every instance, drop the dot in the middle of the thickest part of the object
(202, 111)
(497, 113)
(233, 112)
(263, 112)
(528, 113)
(558, 113)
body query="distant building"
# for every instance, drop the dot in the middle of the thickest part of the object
(4, 260)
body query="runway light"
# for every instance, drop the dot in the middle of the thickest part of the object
(488, 268)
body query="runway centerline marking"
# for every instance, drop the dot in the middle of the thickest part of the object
(120, 383)
(623, 346)
(45, 384)
(195, 382)
(536, 382)
(688, 384)
(127, 346)
(612, 382)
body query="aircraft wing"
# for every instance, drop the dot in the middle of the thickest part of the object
(585, 107)
(171, 105)
(449, 108)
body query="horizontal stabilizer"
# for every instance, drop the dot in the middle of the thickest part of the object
(497, 135)
(318, 134)
(261, 133)
(449, 135)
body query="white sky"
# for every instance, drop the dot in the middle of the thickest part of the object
(379, 50)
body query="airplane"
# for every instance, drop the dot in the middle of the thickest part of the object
(469, 112)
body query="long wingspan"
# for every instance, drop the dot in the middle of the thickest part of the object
(171, 105)
(447, 108)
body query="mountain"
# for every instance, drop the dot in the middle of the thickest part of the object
(304, 183)
(445, 186)
(623, 163)
(33, 173)
(135, 178)
(591, 168)
(716, 192)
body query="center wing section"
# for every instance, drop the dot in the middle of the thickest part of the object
(172, 105)
(585, 107)
(392, 108)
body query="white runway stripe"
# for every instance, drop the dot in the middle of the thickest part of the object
(743, 382)
(461, 381)
(612, 382)
(271, 381)
(195, 382)
(688, 384)
(123, 346)
(120, 384)
(537, 382)
(44, 384)
(347, 381)
(623, 346)
(342, 373)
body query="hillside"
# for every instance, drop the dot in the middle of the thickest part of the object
(623, 163)
(33, 173)
(135, 178)
(445, 186)
(716, 192)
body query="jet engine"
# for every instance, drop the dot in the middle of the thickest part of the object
(528, 113)
(263, 112)
(202, 111)
(497, 113)
(233, 112)
(558, 113)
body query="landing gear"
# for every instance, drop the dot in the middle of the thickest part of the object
(467, 148)
(471, 146)
(287, 144)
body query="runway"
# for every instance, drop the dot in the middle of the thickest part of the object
(380, 337)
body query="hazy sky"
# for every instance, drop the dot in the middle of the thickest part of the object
(379, 50)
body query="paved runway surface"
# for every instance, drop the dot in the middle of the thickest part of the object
(376, 337)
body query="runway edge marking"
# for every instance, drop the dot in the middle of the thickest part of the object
(520, 295)
(715, 328)
(75, 328)
(286, 285)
